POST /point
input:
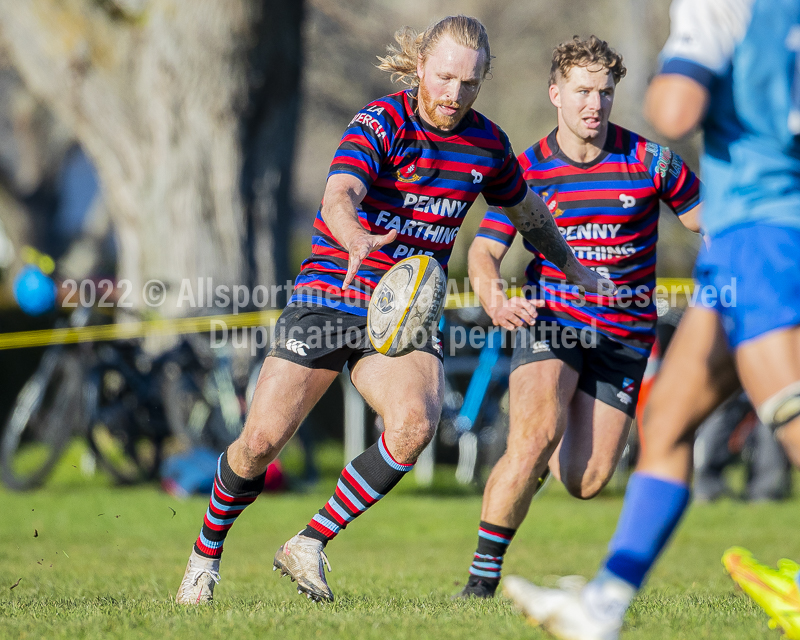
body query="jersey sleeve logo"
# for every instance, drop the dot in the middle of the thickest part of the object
(664, 162)
(552, 203)
(477, 176)
(408, 173)
(368, 121)
(664, 157)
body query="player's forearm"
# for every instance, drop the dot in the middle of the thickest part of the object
(691, 219)
(340, 213)
(536, 224)
(484, 276)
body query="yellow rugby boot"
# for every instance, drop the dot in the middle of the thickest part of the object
(773, 590)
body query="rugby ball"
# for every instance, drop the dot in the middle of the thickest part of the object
(406, 306)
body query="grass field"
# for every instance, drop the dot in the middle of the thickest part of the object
(106, 564)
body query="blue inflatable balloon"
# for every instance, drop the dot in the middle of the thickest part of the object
(34, 292)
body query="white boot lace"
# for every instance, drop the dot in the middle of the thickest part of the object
(196, 573)
(325, 558)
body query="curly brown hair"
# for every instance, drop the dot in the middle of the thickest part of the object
(585, 53)
(401, 61)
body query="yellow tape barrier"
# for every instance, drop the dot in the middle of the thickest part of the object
(182, 326)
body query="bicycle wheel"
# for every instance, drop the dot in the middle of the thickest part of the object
(203, 398)
(42, 420)
(124, 434)
(189, 412)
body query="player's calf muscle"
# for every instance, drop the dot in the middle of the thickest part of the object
(410, 429)
(406, 448)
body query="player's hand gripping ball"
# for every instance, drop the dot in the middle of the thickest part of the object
(406, 306)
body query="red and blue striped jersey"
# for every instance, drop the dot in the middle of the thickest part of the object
(607, 210)
(420, 181)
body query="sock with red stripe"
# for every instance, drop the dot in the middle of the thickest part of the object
(493, 541)
(363, 482)
(229, 497)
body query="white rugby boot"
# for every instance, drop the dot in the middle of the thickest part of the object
(593, 612)
(303, 560)
(197, 586)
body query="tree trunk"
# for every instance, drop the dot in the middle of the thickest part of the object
(268, 140)
(162, 96)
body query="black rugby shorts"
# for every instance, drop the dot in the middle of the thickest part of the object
(319, 337)
(609, 371)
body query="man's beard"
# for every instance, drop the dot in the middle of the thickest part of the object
(441, 121)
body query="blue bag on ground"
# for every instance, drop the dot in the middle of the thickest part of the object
(189, 472)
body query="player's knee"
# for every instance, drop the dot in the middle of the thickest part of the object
(581, 491)
(415, 426)
(662, 436)
(583, 486)
(257, 447)
(422, 431)
(418, 413)
(656, 411)
(528, 448)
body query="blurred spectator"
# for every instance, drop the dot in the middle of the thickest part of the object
(731, 433)
(81, 238)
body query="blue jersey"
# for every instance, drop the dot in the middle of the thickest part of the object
(745, 52)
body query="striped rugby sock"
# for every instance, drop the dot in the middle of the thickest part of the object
(363, 482)
(493, 541)
(229, 497)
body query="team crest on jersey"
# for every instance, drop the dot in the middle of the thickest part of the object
(552, 203)
(408, 173)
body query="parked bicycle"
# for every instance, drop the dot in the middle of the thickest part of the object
(128, 405)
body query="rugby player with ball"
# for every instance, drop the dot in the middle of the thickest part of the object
(406, 171)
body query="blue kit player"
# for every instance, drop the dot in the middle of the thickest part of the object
(731, 67)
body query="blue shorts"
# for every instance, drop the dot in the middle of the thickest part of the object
(750, 275)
